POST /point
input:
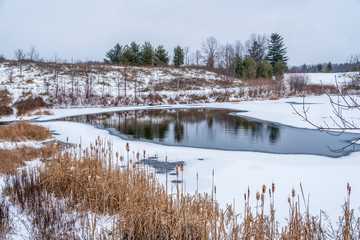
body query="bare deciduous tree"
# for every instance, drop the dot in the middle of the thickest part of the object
(33, 54)
(256, 47)
(339, 123)
(20, 57)
(211, 51)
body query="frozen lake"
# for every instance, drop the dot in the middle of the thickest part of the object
(219, 129)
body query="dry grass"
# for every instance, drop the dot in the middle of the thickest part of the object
(23, 131)
(60, 197)
(12, 159)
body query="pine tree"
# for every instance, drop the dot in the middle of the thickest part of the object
(147, 54)
(329, 67)
(277, 54)
(136, 54)
(249, 68)
(264, 69)
(319, 67)
(113, 56)
(161, 56)
(178, 58)
(238, 65)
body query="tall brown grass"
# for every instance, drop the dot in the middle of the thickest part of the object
(81, 187)
(12, 159)
(23, 131)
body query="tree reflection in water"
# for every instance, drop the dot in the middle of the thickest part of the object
(215, 129)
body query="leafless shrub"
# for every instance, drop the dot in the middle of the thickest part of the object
(298, 82)
(30, 104)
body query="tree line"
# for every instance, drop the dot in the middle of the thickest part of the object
(260, 57)
(352, 65)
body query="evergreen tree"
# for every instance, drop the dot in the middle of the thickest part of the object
(277, 53)
(329, 67)
(113, 56)
(238, 65)
(264, 69)
(147, 54)
(178, 58)
(279, 68)
(136, 54)
(249, 68)
(319, 67)
(161, 56)
(127, 57)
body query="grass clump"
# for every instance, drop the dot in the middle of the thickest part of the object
(23, 131)
(12, 159)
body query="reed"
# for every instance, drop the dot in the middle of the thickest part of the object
(72, 194)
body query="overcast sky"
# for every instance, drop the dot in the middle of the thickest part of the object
(314, 30)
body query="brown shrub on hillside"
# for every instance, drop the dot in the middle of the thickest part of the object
(29, 105)
(5, 98)
(23, 131)
(5, 110)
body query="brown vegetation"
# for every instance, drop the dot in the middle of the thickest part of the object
(5, 111)
(10, 160)
(29, 105)
(23, 131)
(70, 195)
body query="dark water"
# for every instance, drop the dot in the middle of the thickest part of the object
(218, 129)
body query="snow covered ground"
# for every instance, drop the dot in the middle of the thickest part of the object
(323, 178)
(328, 78)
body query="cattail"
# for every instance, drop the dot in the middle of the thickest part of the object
(293, 192)
(262, 198)
(273, 187)
(144, 154)
(258, 196)
(263, 189)
(127, 147)
(349, 188)
(181, 167)
(138, 156)
(245, 196)
(177, 170)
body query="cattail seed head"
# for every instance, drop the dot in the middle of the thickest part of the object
(182, 167)
(273, 187)
(262, 198)
(127, 147)
(263, 189)
(293, 193)
(258, 196)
